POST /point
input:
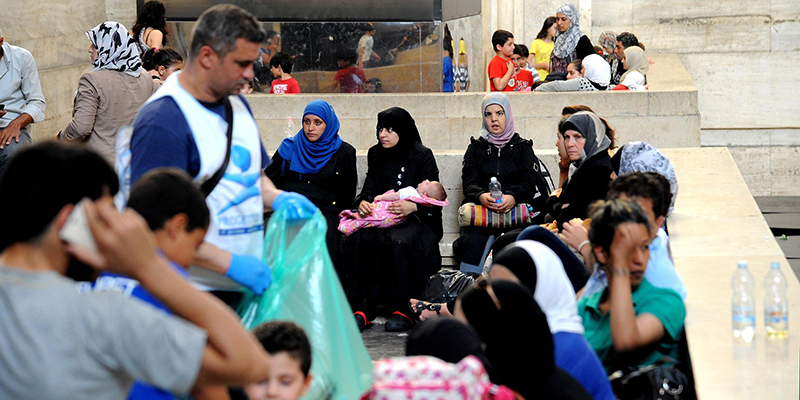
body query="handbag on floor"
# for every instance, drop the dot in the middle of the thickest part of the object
(658, 381)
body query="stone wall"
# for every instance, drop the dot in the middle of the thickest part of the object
(739, 54)
(54, 33)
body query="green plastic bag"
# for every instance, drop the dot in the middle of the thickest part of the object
(306, 290)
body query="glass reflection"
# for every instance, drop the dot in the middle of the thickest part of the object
(404, 57)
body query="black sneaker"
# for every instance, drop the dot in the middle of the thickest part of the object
(399, 322)
(361, 321)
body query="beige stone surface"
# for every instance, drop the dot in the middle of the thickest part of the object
(666, 116)
(727, 99)
(716, 223)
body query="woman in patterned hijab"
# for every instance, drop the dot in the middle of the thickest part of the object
(109, 95)
(114, 49)
(570, 43)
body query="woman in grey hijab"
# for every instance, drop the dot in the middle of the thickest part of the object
(587, 144)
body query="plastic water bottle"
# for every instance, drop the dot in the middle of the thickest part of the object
(743, 304)
(776, 309)
(288, 128)
(495, 190)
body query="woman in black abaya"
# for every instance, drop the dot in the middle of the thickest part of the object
(387, 266)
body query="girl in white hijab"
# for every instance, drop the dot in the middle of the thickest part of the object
(595, 75)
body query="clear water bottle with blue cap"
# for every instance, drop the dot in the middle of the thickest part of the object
(495, 190)
(743, 304)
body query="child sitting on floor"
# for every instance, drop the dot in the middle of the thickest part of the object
(429, 193)
(291, 362)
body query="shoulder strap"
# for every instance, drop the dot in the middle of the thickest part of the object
(212, 182)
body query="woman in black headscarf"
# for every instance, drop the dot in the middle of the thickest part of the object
(448, 340)
(518, 340)
(387, 266)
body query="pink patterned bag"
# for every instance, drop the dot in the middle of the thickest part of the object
(429, 378)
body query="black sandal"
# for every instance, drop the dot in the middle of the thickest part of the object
(424, 305)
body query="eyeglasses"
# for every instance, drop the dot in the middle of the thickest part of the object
(484, 284)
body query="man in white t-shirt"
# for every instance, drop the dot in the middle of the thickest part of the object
(365, 52)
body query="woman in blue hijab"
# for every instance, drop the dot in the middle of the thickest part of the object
(318, 164)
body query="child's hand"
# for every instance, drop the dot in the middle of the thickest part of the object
(365, 208)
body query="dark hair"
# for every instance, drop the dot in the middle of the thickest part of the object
(500, 37)
(627, 39)
(608, 215)
(282, 60)
(348, 55)
(41, 179)
(598, 50)
(548, 22)
(522, 50)
(270, 34)
(377, 82)
(577, 64)
(639, 184)
(163, 193)
(152, 15)
(569, 110)
(220, 26)
(154, 58)
(368, 27)
(666, 188)
(278, 336)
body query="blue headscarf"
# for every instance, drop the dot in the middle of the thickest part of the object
(305, 156)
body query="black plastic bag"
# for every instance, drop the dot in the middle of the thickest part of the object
(446, 285)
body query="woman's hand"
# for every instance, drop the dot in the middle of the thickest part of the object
(402, 208)
(573, 233)
(365, 208)
(487, 201)
(508, 202)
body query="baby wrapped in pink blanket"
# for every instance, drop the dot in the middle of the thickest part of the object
(427, 193)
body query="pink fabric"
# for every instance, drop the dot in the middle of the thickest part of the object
(429, 378)
(350, 221)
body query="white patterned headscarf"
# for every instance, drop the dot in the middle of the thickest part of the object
(567, 41)
(116, 49)
(643, 157)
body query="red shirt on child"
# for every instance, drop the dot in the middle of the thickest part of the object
(284, 87)
(497, 69)
(351, 80)
(523, 79)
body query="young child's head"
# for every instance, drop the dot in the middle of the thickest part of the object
(346, 58)
(280, 63)
(175, 210)
(503, 43)
(520, 57)
(164, 61)
(432, 189)
(369, 29)
(289, 377)
(373, 85)
(574, 69)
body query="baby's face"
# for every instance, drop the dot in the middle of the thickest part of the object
(425, 188)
